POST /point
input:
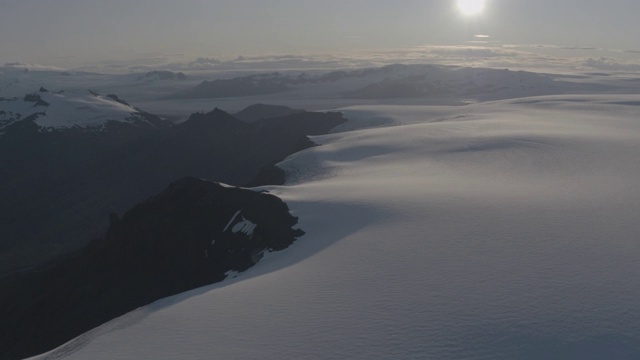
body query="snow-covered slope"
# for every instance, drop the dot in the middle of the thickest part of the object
(505, 230)
(54, 111)
(16, 81)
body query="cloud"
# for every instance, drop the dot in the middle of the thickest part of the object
(481, 53)
(579, 48)
(556, 47)
(610, 64)
(477, 53)
(19, 65)
(470, 52)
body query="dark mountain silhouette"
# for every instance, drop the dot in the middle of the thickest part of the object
(390, 82)
(152, 76)
(188, 236)
(57, 187)
(260, 84)
(479, 83)
(257, 112)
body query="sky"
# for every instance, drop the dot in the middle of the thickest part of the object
(73, 33)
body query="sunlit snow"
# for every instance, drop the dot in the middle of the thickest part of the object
(67, 110)
(501, 230)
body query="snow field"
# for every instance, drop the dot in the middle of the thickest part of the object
(502, 230)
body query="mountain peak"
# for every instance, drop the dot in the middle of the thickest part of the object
(258, 112)
(71, 110)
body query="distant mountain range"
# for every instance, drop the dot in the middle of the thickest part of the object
(152, 76)
(388, 82)
(65, 166)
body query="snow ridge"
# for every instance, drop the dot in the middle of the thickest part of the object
(57, 111)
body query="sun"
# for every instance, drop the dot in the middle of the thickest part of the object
(471, 7)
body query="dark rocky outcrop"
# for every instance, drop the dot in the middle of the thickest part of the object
(257, 112)
(188, 236)
(35, 99)
(162, 75)
(115, 98)
(58, 188)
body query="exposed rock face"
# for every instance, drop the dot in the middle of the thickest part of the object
(35, 99)
(188, 236)
(257, 112)
(115, 98)
(58, 187)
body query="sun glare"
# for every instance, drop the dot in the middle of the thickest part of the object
(471, 7)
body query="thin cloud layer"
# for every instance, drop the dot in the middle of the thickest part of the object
(536, 57)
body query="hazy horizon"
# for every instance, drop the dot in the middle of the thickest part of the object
(75, 34)
(337, 179)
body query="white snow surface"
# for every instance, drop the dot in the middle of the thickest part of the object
(68, 110)
(501, 230)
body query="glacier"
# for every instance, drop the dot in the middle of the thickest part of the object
(498, 230)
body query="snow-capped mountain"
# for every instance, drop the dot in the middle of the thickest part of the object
(17, 81)
(501, 230)
(58, 186)
(61, 110)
